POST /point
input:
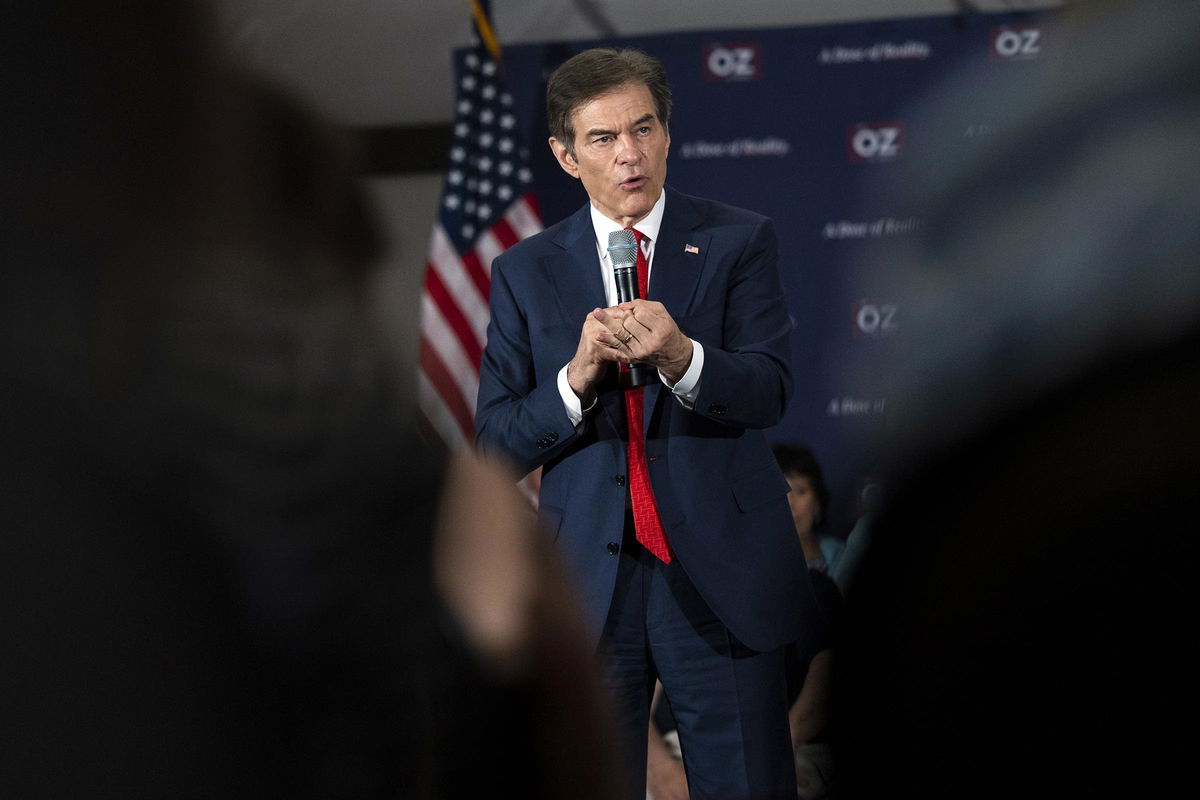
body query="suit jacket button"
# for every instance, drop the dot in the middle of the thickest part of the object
(619, 480)
(541, 443)
(717, 409)
(613, 549)
(551, 437)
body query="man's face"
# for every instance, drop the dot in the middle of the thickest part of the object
(620, 152)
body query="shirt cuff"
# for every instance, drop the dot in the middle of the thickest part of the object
(688, 387)
(571, 403)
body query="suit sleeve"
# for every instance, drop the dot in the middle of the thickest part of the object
(520, 415)
(747, 379)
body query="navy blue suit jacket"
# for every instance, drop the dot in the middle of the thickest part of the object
(720, 493)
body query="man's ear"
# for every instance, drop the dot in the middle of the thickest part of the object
(564, 157)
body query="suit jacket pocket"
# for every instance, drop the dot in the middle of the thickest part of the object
(550, 520)
(764, 485)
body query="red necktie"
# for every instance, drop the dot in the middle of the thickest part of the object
(646, 521)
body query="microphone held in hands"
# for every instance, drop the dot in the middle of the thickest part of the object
(623, 249)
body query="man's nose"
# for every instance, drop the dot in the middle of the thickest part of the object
(627, 152)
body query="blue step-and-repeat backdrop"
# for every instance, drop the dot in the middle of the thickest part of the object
(801, 124)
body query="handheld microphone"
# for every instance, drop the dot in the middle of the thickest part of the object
(622, 249)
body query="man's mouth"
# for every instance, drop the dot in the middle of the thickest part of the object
(633, 182)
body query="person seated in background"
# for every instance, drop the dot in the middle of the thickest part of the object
(809, 502)
(809, 661)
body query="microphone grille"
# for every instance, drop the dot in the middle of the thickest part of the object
(622, 248)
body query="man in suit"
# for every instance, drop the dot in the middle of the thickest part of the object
(707, 586)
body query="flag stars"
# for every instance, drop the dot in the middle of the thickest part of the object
(489, 166)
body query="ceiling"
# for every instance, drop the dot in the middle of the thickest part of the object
(387, 62)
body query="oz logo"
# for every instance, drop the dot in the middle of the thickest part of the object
(732, 62)
(873, 319)
(1019, 43)
(875, 141)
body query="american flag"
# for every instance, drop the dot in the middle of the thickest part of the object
(486, 207)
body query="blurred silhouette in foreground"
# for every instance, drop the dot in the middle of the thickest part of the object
(1018, 626)
(230, 567)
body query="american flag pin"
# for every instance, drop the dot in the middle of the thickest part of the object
(691, 248)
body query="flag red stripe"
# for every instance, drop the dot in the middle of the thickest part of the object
(447, 389)
(473, 267)
(454, 316)
(531, 201)
(504, 233)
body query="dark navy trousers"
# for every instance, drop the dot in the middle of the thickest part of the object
(729, 702)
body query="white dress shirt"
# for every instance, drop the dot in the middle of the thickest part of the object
(688, 386)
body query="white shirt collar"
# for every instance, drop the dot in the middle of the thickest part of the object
(648, 226)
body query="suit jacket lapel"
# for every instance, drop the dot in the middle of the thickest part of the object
(677, 269)
(679, 255)
(575, 274)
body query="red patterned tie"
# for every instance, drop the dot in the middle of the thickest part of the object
(646, 521)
